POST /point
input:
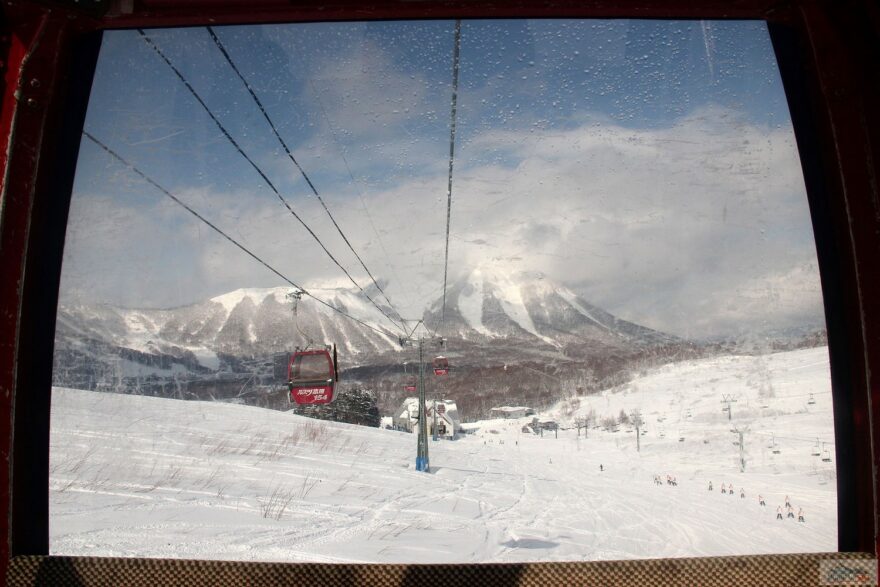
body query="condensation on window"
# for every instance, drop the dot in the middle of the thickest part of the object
(557, 278)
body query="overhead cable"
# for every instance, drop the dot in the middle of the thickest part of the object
(265, 178)
(360, 194)
(455, 60)
(247, 251)
(302, 171)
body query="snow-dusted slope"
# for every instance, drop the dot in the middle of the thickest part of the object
(138, 476)
(492, 303)
(771, 393)
(244, 321)
(492, 317)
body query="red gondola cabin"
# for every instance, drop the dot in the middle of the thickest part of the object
(311, 377)
(441, 366)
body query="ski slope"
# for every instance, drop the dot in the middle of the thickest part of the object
(141, 476)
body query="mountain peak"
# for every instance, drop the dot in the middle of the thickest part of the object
(490, 302)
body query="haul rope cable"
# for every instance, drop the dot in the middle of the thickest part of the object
(455, 59)
(302, 171)
(265, 178)
(153, 183)
(360, 194)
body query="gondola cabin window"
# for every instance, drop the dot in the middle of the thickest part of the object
(315, 366)
(441, 292)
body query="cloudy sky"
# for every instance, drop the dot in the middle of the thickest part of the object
(648, 165)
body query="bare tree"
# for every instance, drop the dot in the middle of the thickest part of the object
(608, 423)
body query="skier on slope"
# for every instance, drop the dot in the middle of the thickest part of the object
(742, 493)
(801, 515)
(779, 512)
(790, 513)
(761, 501)
(722, 488)
(787, 502)
(710, 486)
(731, 490)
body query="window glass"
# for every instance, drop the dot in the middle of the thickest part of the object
(613, 256)
(311, 366)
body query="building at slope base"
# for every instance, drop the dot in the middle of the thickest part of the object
(406, 417)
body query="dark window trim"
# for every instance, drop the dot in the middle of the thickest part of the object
(839, 294)
(827, 54)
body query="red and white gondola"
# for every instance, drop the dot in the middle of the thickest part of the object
(441, 366)
(312, 376)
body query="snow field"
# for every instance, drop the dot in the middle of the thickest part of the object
(140, 476)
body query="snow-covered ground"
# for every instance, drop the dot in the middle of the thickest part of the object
(140, 476)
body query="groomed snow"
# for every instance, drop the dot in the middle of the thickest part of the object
(140, 476)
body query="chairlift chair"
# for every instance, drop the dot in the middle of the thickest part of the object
(812, 400)
(826, 456)
(312, 376)
(441, 365)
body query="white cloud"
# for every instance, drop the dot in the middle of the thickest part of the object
(697, 229)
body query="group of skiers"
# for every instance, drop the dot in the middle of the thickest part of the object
(670, 480)
(728, 489)
(790, 511)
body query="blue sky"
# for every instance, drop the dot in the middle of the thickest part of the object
(600, 142)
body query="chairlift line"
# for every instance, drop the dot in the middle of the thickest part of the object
(257, 168)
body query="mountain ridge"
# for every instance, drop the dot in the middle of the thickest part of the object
(482, 308)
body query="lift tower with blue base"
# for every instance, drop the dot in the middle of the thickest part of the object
(422, 462)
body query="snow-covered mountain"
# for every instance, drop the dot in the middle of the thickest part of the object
(490, 304)
(486, 307)
(242, 322)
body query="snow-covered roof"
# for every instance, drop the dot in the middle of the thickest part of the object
(450, 412)
(410, 406)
